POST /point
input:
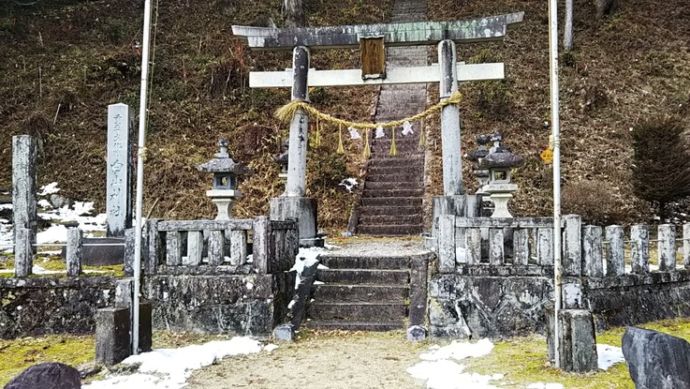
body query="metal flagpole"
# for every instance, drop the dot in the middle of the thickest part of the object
(555, 135)
(141, 153)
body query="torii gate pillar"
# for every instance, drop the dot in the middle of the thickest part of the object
(293, 205)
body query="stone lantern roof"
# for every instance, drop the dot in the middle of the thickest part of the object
(223, 163)
(501, 159)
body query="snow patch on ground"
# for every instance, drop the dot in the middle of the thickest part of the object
(609, 356)
(170, 368)
(49, 189)
(440, 371)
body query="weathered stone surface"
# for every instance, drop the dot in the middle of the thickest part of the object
(592, 248)
(578, 351)
(639, 247)
(615, 254)
(47, 376)
(572, 245)
(238, 246)
(73, 255)
(634, 299)
(496, 246)
(418, 290)
(656, 360)
(112, 335)
(216, 248)
(446, 243)
(462, 306)
(416, 333)
(301, 209)
(415, 33)
(23, 252)
(195, 247)
(119, 172)
(24, 201)
(37, 306)
(667, 247)
(284, 333)
(219, 303)
(544, 240)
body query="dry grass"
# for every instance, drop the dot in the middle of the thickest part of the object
(623, 69)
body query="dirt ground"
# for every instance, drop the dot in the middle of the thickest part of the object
(328, 360)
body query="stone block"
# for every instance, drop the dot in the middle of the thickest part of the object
(145, 327)
(24, 210)
(195, 247)
(656, 360)
(73, 255)
(216, 248)
(119, 170)
(615, 255)
(572, 245)
(639, 247)
(47, 376)
(112, 335)
(446, 243)
(577, 341)
(592, 250)
(667, 247)
(301, 209)
(416, 334)
(284, 333)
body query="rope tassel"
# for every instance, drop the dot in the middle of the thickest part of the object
(341, 148)
(394, 149)
(367, 147)
(422, 139)
(317, 135)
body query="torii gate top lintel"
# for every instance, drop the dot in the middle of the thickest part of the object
(394, 34)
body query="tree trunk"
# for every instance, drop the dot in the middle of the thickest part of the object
(293, 11)
(568, 29)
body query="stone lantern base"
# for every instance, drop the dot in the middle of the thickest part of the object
(223, 199)
(500, 195)
(301, 209)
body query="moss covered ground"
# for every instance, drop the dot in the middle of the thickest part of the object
(521, 360)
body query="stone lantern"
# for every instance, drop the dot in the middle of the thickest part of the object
(225, 173)
(477, 156)
(500, 162)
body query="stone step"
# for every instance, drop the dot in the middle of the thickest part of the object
(419, 192)
(364, 276)
(350, 262)
(393, 201)
(385, 177)
(411, 169)
(392, 219)
(397, 161)
(357, 312)
(390, 230)
(383, 210)
(393, 185)
(361, 293)
(354, 326)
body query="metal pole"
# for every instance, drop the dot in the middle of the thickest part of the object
(141, 153)
(555, 134)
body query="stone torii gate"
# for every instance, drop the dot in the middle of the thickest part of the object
(372, 39)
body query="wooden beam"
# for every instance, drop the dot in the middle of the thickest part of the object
(353, 77)
(394, 34)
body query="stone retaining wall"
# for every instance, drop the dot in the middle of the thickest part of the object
(250, 304)
(37, 306)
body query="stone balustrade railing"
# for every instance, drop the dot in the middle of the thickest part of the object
(232, 246)
(484, 242)
(527, 243)
(595, 251)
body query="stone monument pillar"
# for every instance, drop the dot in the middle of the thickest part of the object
(24, 202)
(119, 175)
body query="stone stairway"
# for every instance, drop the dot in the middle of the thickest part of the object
(368, 293)
(392, 197)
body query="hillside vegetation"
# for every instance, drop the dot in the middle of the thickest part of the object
(65, 60)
